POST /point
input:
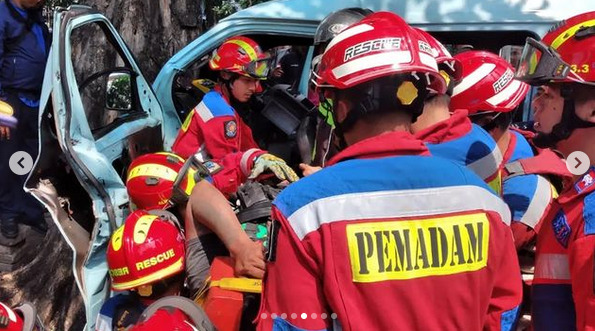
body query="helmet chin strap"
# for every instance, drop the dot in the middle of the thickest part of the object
(353, 115)
(373, 99)
(568, 123)
(340, 128)
(227, 83)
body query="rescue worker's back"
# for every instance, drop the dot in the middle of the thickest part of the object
(416, 242)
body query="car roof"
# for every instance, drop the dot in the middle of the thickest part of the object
(536, 15)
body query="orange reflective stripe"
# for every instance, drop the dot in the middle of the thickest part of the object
(153, 170)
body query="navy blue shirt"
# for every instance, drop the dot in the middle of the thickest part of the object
(22, 65)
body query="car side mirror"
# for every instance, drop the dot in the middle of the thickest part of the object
(118, 92)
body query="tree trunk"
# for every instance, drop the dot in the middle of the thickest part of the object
(154, 31)
(43, 276)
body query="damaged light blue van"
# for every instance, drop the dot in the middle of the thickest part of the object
(93, 124)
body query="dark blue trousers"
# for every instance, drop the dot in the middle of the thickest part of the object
(14, 201)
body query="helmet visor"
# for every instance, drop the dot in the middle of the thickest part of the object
(192, 172)
(258, 68)
(541, 64)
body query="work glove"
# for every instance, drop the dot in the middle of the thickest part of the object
(7, 120)
(276, 165)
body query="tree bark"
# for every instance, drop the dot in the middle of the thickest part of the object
(154, 30)
(43, 276)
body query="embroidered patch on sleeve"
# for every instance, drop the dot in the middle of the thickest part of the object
(561, 228)
(587, 181)
(589, 213)
(231, 129)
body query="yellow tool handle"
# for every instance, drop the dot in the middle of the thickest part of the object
(249, 285)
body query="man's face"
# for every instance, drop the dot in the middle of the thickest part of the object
(31, 4)
(244, 87)
(547, 108)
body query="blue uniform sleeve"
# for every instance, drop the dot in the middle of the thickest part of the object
(528, 197)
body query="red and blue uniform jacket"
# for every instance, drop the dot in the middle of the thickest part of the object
(214, 131)
(467, 144)
(563, 293)
(388, 237)
(529, 196)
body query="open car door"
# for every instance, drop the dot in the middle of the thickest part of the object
(92, 123)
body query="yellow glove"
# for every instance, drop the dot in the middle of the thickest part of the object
(276, 165)
(6, 115)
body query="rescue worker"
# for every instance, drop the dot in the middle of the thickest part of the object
(25, 44)
(214, 130)
(166, 181)
(562, 63)
(453, 136)
(21, 318)
(385, 227)
(328, 28)
(145, 256)
(491, 94)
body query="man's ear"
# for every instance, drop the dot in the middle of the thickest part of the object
(589, 111)
(585, 108)
(225, 75)
(342, 110)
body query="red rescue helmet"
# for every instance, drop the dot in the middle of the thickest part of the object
(159, 180)
(173, 313)
(165, 319)
(9, 319)
(487, 84)
(447, 64)
(148, 247)
(333, 24)
(380, 45)
(565, 54)
(20, 318)
(241, 55)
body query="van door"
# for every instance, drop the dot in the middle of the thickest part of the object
(98, 120)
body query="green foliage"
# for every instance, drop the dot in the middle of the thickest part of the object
(119, 92)
(229, 7)
(51, 4)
